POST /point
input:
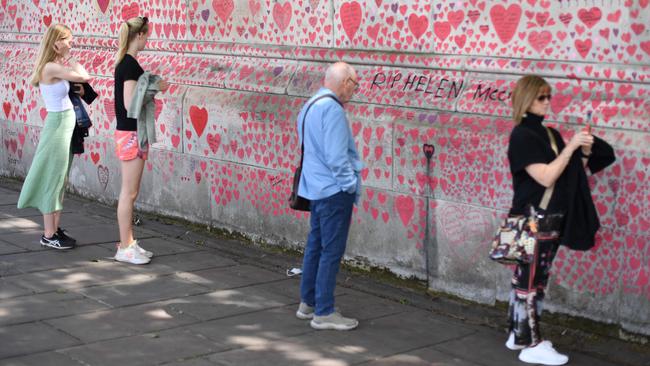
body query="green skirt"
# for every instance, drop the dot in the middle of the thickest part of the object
(45, 182)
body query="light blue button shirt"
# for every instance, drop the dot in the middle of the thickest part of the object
(331, 163)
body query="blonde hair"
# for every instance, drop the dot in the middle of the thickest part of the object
(525, 93)
(46, 52)
(128, 31)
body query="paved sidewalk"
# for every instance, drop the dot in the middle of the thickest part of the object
(210, 301)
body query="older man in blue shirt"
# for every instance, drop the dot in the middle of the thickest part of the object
(330, 180)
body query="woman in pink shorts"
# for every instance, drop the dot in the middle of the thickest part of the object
(133, 36)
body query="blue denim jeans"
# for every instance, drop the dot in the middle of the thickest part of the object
(330, 224)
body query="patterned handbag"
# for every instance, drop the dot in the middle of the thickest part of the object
(516, 239)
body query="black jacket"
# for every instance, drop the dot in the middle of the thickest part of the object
(582, 221)
(77, 143)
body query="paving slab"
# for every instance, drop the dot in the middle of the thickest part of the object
(270, 324)
(185, 262)
(24, 309)
(8, 198)
(122, 322)
(232, 277)
(86, 230)
(6, 248)
(72, 223)
(226, 303)
(75, 219)
(194, 361)
(13, 264)
(28, 240)
(362, 306)
(92, 207)
(159, 246)
(41, 359)
(101, 272)
(422, 357)
(15, 224)
(104, 233)
(9, 289)
(616, 351)
(290, 287)
(302, 350)
(407, 331)
(24, 339)
(487, 347)
(9, 211)
(171, 228)
(148, 349)
(142, 290)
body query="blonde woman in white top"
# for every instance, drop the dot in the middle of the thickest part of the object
(45, 183)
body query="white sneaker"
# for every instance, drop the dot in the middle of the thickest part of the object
(131, 254)
(543, 354)
(510, 343)
(142, 251)
(305, 311)
(334, 321)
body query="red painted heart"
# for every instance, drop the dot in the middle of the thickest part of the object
(282, 15)
(351, 18)
(418, 25)
(103, 5)
(442, 30)
(199, 118)
(223, 8)
(505, 21)
(405, 207)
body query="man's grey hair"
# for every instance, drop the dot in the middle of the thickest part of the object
(337, 73)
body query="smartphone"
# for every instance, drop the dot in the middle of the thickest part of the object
(587, 128)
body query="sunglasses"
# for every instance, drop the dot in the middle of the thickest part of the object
(543, 98)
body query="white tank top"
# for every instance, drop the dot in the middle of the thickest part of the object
(56, 96)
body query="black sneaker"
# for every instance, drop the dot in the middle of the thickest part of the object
(61, 234)
(55, 242)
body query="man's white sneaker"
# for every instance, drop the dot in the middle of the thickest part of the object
(510, 343)
(334, 321)
(142, 251)
(543, 354)
(131, 254)
(305, 311)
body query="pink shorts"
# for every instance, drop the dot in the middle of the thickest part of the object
(126, 146)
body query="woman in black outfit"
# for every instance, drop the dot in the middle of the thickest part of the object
(538, 162)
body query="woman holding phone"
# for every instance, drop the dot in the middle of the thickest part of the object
(45, 183)
(539, 160)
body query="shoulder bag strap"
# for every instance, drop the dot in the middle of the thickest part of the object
(549, 191)
(304, 117)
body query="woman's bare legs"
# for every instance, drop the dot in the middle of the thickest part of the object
(131, 176)
(50, 223)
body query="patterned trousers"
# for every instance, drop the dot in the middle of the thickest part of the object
(527, 296)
